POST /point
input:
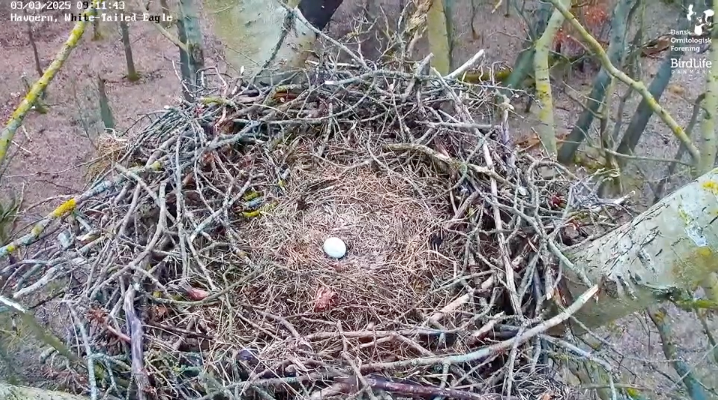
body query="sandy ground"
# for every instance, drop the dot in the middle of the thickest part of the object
(53, 150)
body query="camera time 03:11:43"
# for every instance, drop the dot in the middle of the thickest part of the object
(102, 5)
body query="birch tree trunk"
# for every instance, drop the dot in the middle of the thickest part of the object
(264, 38)
(673, 246)
(524, 61)
(439, 35)
(709, 143)
(546, 129)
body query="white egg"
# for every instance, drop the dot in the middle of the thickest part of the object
(335, 247)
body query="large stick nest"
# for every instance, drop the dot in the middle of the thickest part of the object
(196, 268)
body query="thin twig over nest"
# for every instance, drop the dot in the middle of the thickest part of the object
(198, 263)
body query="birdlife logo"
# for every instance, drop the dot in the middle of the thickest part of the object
(694, 40)
(703, 23)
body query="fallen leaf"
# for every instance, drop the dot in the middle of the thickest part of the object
(546, 396)
(196, 294)
(324, 299)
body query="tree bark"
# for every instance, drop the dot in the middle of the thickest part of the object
(709, 143)
(105, 111)
(192, 56)
(669, 248)
(131, 70)
(439, 37)
(262, 37)
(35, 54)
(166, 11)
(524, 61)
(546, 127)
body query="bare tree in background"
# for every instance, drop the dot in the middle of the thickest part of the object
(132, 74)
(35, 54)
(96, 33)
(105, 111)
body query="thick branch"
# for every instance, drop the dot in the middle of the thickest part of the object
(664, 250)
(266, 37)
(439, 37)
(12, 392)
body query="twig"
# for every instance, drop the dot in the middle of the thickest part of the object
(88, 354)
(445, 159)
(418, 390)
(468, 64)
(66, 208)
(493, 349)
(134, 325)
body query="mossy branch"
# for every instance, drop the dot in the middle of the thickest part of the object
(8, 133)
(12, 392)
(68, 207)
(41, 333)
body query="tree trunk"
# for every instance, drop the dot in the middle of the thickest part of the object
(658, 315)
(644, 113)
(96, 33)
(681, 149)
(132, 75)
(709, 143)
(261, 36)
(669, 248)
(524, 61)
(546, 128)
(191, 60)
(105, 111)
(616, 49)
(11, 392)
(439, 36)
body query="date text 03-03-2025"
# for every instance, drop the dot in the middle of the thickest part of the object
(65, 5)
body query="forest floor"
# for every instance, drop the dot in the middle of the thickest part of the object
(52, 151)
